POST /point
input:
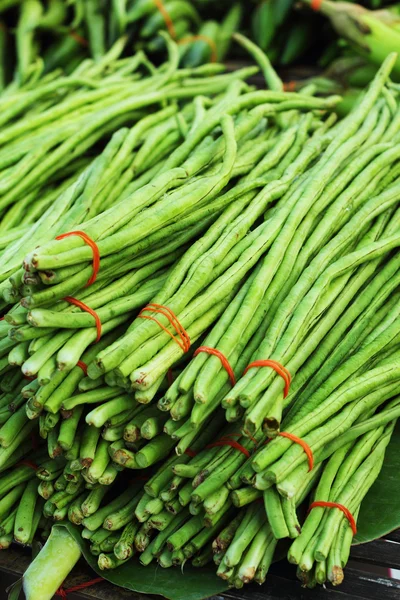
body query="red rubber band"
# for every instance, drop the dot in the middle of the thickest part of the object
(226, 441)
(78, 38)
(89, 310)
(229, 435)
(191, 38)
(303, 444)
(289, 86)
(168, 21)
(280, 369)
(222, 358)
(233, 444)
(203, 38)
(184, 341)
(2, 318)
(29, 378)
(95, 249)
(344, 510)
(252, 439)
(316, 4)
(64, 593)
(28, 463)
(190, 452)
(82, 365)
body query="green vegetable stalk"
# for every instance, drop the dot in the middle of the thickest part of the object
(54, 562)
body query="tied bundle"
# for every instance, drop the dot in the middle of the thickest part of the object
(203, 331)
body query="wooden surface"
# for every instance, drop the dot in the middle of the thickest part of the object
(365, 578)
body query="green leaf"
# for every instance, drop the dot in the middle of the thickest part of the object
(192, 584)
(380, 509)
(14, 591)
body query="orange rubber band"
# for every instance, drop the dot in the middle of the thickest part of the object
(233, 444)
(344, 510)
(78, 38)
(229, 435)
(280, 369)
(222, 358)
(289, 86)
(168, 21)
(190, 452)
(82, 586)
(28, 463)
(191, 38)
(252, 439)
(202, 38)
(29, 378)
(226, 441)
(303, 444)
(89, 310)
(95, 249)
(184, 341)
(83, 366)
(316, 4)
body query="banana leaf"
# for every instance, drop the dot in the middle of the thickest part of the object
(379, 515)
(189, 584)
(380, 509)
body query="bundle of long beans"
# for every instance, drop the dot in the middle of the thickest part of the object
(254, 230)
(44, 35)
(40, 35)
(37, 158)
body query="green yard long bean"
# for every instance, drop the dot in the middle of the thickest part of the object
(267, 230)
